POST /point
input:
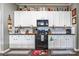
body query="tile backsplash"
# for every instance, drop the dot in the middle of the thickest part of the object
(56, 30)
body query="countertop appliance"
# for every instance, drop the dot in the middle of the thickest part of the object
(68, 31)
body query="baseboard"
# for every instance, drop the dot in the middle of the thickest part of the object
(2, 52)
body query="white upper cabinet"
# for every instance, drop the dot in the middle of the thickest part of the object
(61, 18)
(17, 18)
(24, 18)
(67, 18)
(50, 17)
(56, 18)
(28, 18)
(41, 15)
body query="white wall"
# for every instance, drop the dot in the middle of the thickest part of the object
(77, 6)
(1, 27)
(6, 9)
(46, 6)
(77, 27)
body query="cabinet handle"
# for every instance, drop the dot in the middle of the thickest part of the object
(65, 39)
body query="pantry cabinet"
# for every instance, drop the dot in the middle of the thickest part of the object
(61, 42)
(22, 41)
(28, 18)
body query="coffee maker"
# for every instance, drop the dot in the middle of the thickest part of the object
(41, 38)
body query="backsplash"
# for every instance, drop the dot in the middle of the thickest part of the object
(53, 30)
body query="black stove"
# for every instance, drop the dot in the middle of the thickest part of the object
(41, 38)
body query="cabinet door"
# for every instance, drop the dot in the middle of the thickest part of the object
(26, 18)
(56, 18)
(18, 41)
(11, 41)
(14, 43)
(63, 41)
(56, 43)
(41, 15)
(70, 42)
(67, 17)
(50, 17)
(44, 15)
(34, 17)
(50, 42)
(17, 18)
(74, 41)
(30, 42)
(61, 18)
(22, 41)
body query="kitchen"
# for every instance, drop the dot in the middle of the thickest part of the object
(40, 27)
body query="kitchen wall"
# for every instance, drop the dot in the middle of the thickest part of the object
(1, 26)
(6, 9)
(77, 5)
(39, 6)
(77, 27)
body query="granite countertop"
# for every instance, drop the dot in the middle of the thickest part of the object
(61, 34)
(22, 34)
(34, 34)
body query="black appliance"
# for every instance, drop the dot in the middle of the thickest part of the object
(41, 38)
(68, 31)
(41, 23)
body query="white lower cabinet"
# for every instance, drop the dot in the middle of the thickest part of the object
(22, 41)
(56, 42)
(71, 41)
(61, 41)
(13, 41)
